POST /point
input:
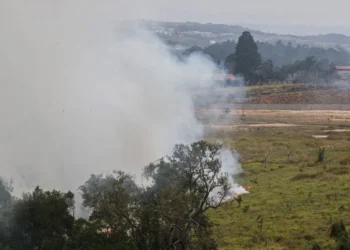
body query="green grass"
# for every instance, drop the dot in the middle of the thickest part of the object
(297, 198)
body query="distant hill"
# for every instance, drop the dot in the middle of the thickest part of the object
(279, 53)
(189, 34)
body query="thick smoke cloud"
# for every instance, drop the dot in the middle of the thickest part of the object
(80, 94)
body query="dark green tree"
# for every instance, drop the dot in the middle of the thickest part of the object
(41, 220)
(91, 236)
(6, 202)
(247, 57)
(265, 71)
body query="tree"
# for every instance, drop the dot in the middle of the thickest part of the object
(167, 214)
(229, 63)
(88, 235)
(6, 201)
(247, 56)
(5, 192)
(193, 176)
(41, 220)
(219, 51)
(170, 213)
(115, 205)
(265, 71)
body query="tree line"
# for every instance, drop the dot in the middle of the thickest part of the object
(167, 214)
(261, 62)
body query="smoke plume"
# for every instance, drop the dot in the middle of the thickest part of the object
(81, 94)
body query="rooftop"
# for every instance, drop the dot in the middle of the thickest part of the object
(342, 67)
(222, 77)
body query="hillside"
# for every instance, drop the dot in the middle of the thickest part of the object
(307, 97)
(280, 54)
(188, 34)
(280, 94)
(297, 94)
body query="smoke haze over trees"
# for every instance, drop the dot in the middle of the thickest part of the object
(280, 62)
(279, 53)
(167, 214)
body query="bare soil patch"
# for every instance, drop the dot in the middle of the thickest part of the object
(320, 136)
(337, 131)
(242, 126)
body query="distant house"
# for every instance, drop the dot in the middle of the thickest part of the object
(225, 79)
(343, 73)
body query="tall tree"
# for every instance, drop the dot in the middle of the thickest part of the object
(247, 56)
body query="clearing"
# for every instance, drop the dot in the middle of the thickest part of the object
(294, 199)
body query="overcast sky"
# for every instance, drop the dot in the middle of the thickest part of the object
(313, 12)
(280, 16)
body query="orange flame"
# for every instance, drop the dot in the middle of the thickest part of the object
(248, 187)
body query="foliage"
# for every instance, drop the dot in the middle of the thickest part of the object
(281, 62)
(247, 57)
(320, 155)
(5, 212)
(285, 53)
(193, 175)
(88, 235)
(170, 213)
(338, 231)
(308, 70)
(279, 53)
(219, 51)
(5, 192)
(41, 220)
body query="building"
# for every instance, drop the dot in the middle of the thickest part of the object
(343, 73)
(224, 79)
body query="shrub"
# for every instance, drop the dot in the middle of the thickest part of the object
(321, 154)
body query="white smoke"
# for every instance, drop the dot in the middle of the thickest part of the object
(80, 94)
(232, 167)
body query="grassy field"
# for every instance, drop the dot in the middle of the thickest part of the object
(294, 199)
(278, 94)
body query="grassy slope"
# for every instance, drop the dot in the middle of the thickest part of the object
(287, 94)
(297, 198)
(299, 93)
(334, 96)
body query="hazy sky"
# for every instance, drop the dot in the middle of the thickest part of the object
(270, 15)
(310, 12)
(332, 16)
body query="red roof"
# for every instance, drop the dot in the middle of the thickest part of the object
(342, 67)
(222, 77)
(230, 77)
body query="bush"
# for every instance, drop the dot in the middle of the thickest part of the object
(338, 231)
(321, 154)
